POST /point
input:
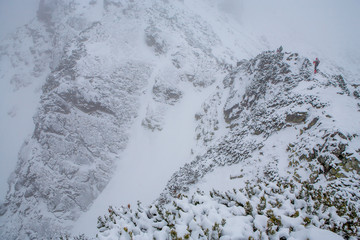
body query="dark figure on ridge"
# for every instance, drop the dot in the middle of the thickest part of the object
(316, 63)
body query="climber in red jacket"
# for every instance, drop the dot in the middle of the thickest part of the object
(316, 63)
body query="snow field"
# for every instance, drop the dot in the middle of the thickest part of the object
(150, 157)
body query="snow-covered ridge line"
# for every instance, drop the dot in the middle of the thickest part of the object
(266, 95)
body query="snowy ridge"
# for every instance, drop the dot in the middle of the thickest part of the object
(281, 95)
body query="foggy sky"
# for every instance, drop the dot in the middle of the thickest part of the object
(324, 28)
(15, 13)
(324, 24)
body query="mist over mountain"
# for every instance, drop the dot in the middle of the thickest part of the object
(187, 107)
(14, 14)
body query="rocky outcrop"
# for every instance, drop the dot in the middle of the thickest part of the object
(155, 41)
(298, 117)
(165, 93)
(266, 96)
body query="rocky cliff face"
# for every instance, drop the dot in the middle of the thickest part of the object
(99, 58)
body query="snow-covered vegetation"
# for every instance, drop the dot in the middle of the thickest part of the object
(281, 210)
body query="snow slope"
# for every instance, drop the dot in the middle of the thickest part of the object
(149, 155)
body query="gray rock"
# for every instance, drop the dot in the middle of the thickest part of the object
(298, 117)
(153, 39)
(166, 94)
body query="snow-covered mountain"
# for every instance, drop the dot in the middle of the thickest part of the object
(156, 92)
